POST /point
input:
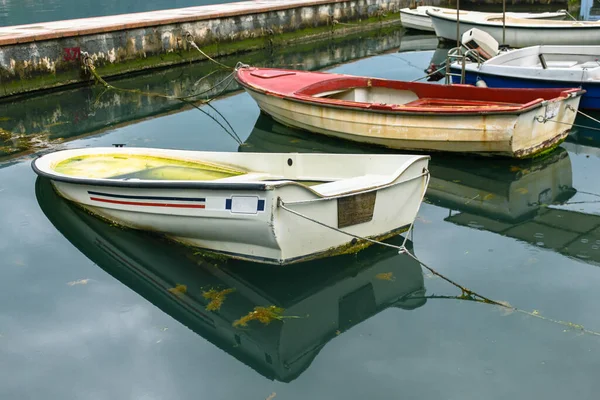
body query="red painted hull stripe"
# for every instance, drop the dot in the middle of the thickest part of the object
(137, 203)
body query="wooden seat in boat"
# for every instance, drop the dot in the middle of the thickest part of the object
(433, 102)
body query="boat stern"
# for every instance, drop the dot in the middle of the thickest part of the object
(324, 227)
(543, 128)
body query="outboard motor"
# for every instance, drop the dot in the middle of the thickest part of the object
(482, 42)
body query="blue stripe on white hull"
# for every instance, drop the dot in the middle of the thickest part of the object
(589, 101)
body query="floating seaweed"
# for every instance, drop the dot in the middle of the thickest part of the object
(264, 315)
(386, 276)
(179, 290)
(216, 298)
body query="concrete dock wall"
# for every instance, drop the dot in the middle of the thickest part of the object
(48, 55)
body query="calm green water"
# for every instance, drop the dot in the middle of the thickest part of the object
(86, 311)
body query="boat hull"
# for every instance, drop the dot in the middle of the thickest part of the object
(517, 135)
(520, 36)
(413, 20)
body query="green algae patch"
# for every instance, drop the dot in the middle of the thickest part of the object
(122, 166)
(355, 246)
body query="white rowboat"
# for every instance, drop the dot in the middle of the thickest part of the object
(238, 204)
(417, 18)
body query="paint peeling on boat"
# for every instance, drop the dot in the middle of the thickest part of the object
(543, 148)
(356, 246)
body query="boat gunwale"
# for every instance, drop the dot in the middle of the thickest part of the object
(355, 106)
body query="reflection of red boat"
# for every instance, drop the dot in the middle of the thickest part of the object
(415, 116)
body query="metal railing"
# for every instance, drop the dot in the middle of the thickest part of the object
(458, 54)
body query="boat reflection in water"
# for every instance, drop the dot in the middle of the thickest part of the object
(418, 42)
(330, 295)
(412, 42)
(516, 204)
(513, 198)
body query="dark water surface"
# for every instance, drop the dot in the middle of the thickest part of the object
(18, 12)
(90, 311)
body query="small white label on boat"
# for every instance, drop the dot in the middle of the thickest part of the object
(244, 204)
(552, 110)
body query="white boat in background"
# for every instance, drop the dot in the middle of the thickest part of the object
(417, 18)
(519, 32)
(242, 205)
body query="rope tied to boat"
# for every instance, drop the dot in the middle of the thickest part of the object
(190, 39)
(401, 249)
(585, 115)
(466, 294)
(542, 120)
(88, 64)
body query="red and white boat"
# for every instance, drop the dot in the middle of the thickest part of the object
(415, 116)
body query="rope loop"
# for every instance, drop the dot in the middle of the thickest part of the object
(240, 65)
(88, 64)
(86, 60)
(189, 37)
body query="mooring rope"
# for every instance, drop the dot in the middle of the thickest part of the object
(588, 116)
(467, 294)
(190, 39)
(542, 120)
(535, 313)
(89, 65)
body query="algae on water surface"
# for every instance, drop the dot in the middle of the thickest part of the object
(120, 166)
